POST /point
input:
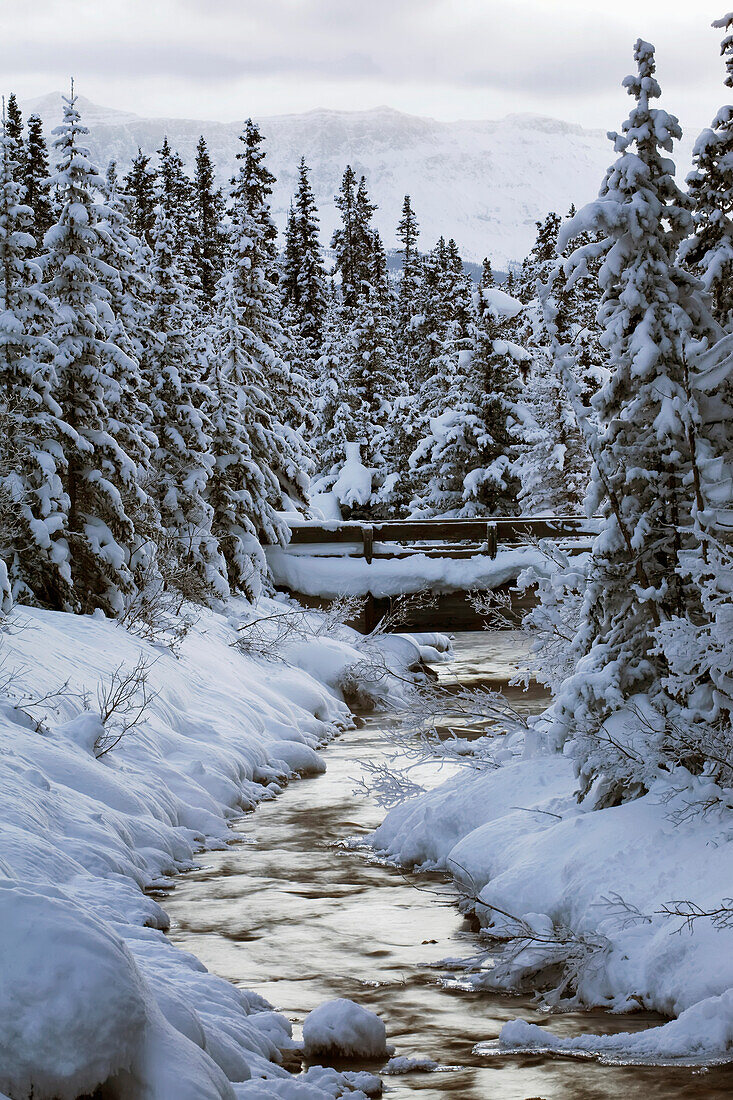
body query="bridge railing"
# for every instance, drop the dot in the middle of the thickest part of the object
(442, 537)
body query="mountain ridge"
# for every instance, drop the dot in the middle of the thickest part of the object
(484, 182)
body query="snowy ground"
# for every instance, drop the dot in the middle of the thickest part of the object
(92, 990)
(584, 889)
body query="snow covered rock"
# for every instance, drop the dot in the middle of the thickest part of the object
(344, 1029)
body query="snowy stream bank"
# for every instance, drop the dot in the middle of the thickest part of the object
(94, 992)
(294, 913)
(93, 815)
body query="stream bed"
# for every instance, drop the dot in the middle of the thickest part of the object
(290, 912)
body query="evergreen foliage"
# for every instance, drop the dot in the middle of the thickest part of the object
(648, 417)
(33, 502)
(210, 237)
(304, 279)
(709, 251)
(252, 187)
(35, 179)
(189, 553)
(140, 192)
(99, 477)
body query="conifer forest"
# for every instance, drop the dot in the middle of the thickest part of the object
(198, 408)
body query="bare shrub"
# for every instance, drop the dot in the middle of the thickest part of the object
(156, 611)
(267, 635)
(122, 703)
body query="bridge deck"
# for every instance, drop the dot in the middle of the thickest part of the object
(430, 538)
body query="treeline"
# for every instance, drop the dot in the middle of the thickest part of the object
(172, 382)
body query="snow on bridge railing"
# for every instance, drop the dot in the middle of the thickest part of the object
(446, 533)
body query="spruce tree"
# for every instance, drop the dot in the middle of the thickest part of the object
(250, 337)
(709, 252)
(190, 558)
(99, 478)
(303, 280)
(177, 194)
(33, 503)
(648, 417)
(210, 240)
(408, 232)
(555, 464)
(538, 264)
(140, 194)
(14, 130)
(354, 241)
(251, 190)
(35, 177)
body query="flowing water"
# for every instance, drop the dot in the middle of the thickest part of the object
(290, 913)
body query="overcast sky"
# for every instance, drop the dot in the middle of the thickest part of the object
(225, 59)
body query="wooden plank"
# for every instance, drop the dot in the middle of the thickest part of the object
(508, 529)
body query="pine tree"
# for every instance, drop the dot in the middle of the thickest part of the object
(140, 193)
(99, 478)
(709, 252)
(644, 459)
(252, 187)
(408, 232)
(210, 241)
(538, 264)
(304, 280)
(354, 242)
(177, 194)
(252, 343)
(333, 412)
(33, 504)
(487, 275)
(190, 556)
(555, 463)
(35, 177)
(14, 130)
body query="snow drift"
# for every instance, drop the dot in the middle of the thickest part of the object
(93, 992)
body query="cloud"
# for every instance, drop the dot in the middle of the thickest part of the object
(418, 54)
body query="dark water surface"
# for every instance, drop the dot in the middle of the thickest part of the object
(287, 912)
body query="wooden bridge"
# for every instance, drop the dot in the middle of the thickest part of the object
(398, 540)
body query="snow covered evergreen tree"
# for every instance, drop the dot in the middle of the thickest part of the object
(353, 242)
(303, 279)
(35, 178)
(33, 503)
(140, 192)
(99, 477)
(251, 190)
(251, 343)
(210, 238)
(408, 232)
(644, 452)
(177, 194)
(14, 131)
(189, 555)
(709, 252)
(537, 265)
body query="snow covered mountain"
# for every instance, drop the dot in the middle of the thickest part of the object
(484, 183)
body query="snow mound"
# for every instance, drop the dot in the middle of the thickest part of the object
(398, 1066)
(354, 485)
(342, 1028)
(704, 1027)
(59, 965)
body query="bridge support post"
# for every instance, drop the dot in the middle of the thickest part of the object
(367, 538)
(491, 539)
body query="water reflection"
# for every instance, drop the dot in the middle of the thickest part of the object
(287, 912)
